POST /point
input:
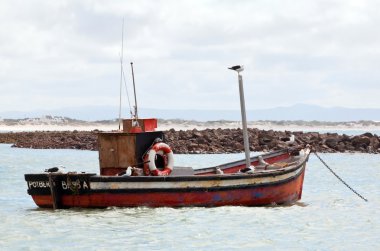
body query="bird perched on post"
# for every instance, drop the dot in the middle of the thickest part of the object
(56, 169)
(238, 68)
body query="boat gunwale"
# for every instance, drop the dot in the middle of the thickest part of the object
(228, 176)
(198, 189)
(240, 162)
(180, 189)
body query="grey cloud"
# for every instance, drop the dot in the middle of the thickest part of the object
(68, 51)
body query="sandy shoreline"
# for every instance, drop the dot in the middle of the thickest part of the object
(32, 128)
(187, 126)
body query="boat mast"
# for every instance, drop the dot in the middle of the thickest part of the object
(238, 69)
(134, 91)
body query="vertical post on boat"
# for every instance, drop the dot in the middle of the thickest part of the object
(135, 119)
(238, 69)
(53, 192)
(244, 120)
(134, 90)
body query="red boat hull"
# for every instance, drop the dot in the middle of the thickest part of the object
(203, 189)
(283, 192)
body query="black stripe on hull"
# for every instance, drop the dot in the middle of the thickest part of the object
(169, 190)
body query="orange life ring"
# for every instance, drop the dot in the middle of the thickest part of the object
(150, 167)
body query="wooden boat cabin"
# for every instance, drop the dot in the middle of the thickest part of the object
(120, 150)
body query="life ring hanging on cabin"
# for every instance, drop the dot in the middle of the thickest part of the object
(166, 152)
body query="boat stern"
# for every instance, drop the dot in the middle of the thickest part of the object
(47, 189)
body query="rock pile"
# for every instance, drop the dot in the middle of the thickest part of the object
(206, 141)
(231, 141)
(52, 140)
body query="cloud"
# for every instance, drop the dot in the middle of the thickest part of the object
(66, 53)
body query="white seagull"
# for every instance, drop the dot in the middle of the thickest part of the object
(128, 172)
(262, 162)
(219, 171)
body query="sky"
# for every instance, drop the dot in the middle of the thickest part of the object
(57, 54)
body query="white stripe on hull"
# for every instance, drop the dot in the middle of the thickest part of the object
(99, 185)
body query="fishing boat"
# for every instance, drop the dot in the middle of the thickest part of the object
(137, 168)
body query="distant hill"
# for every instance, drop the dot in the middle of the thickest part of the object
(295, 112)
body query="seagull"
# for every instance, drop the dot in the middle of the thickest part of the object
(251, 170)
(57, 169)
(219, 171)
(288, 140)
(291, 139)
(238, 68)
(262, 162)
(248, 170)
(128, 172)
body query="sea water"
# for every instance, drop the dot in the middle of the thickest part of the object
(329, 216)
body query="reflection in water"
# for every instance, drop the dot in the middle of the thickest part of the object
(328, 217)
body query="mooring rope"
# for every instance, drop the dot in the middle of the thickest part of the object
(339, 178)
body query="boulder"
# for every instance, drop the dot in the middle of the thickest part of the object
(374, 143)
(361, 141)
(331, 142)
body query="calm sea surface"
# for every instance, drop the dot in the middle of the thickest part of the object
(329, 216)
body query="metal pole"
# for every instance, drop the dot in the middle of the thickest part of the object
(134, 90)
(244, 120)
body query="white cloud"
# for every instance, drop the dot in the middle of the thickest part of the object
(66, 53)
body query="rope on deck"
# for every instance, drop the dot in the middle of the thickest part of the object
(339, 178)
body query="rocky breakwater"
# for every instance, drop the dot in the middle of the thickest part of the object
(231, 141)
(81, 140)
(206, 141)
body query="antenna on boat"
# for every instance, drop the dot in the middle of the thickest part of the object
(238, 69)
(122, 78)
